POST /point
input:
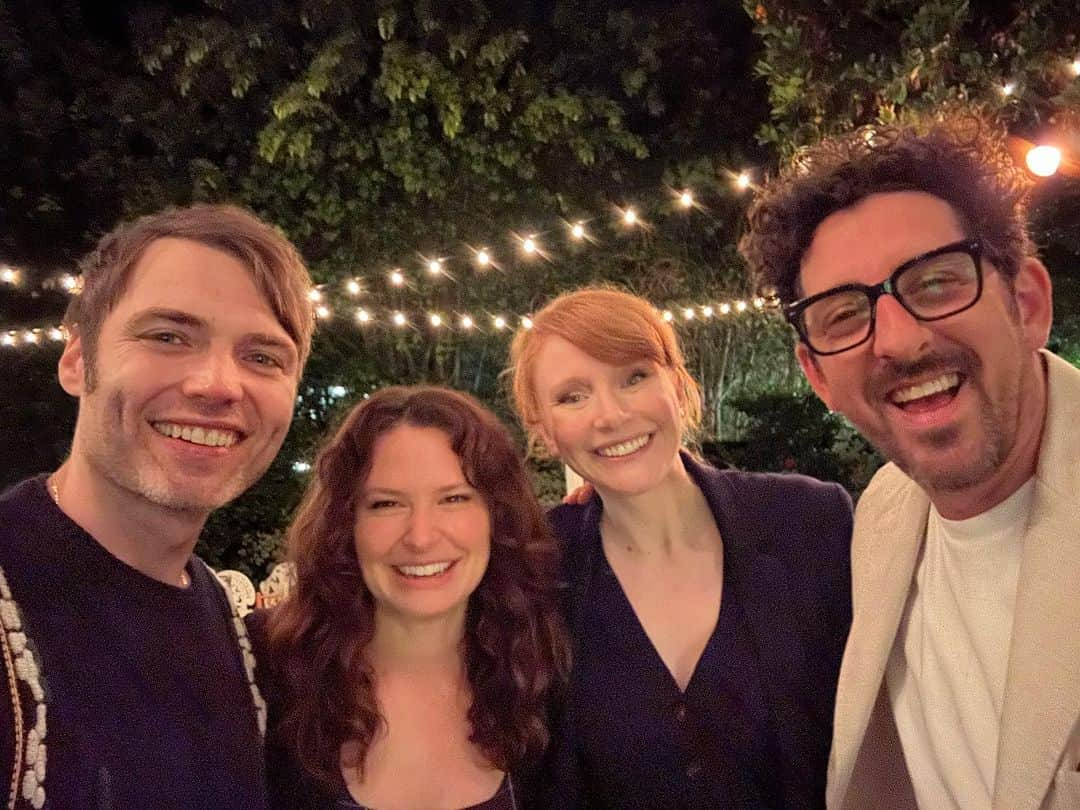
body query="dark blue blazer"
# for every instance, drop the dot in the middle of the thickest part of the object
(787, 563)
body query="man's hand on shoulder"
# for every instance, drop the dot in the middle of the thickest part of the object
(579, 496)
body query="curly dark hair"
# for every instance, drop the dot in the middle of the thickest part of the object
(516, 649)
(959, 158)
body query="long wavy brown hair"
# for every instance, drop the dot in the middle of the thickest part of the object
(515, 646)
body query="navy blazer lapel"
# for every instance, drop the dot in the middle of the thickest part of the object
(760, 581)
(579, 559)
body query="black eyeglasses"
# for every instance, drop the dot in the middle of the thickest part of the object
(931, 286)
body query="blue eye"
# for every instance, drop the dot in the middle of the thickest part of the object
(263, 359)
(165, 338)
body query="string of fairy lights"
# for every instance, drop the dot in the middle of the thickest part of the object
(529, 245)
(1042, 160)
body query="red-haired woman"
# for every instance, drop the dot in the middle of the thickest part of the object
(708, 608)
(412, 663)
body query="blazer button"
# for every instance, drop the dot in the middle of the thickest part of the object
(680, 712)
(693, 769)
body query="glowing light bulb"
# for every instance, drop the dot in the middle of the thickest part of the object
(400, 319)
(707, 312)
(314, 295)
(483, 258)
(436, 320)
(630, 216)
(322, 312)
(499, 321)
(529, 245)
(686, 199)
(9, 275)
(688, 314)
(578, 231)
(8, 339)
(1008, 88)
(743, 181)
(353, 287)
(434, 266)
(725, 309)
(1076, 66)
(56, 334)
(667, 316)
(759, 303)
(1043, 160)
(363, 316)
(526, 322)
(466, 322)
(30, 336)
(740, 306)
(396, 278)
(69, 282)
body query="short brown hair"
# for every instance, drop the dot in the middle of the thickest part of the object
(275, 265)
(516, 649)
(614, 327)
(959, 158)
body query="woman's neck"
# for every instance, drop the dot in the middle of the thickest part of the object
(671, 515)
(429, 646)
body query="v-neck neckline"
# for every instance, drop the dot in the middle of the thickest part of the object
(657, 662)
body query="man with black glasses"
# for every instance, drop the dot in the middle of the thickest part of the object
(903, 263)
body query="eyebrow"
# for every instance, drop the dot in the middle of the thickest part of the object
(177, 316)
(570, 382)
(463, 484)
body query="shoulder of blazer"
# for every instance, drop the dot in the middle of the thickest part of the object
(783, 500)
(573, 525)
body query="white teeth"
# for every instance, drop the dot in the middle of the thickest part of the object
(429, 570)
(197, 435)
(624, 448)
(942, 383)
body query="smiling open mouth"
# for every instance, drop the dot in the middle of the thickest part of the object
(927, 395)
(424, 571)
(624, 448)
(207, 437)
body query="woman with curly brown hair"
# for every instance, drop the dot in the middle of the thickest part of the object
(412, 664)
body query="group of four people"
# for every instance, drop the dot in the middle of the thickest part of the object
(679, 639)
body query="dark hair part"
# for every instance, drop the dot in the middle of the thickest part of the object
(275, 266)
(516, 649)
(958, 158)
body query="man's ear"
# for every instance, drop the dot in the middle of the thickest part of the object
(1034, 296)
(71, 369)
(812, 370)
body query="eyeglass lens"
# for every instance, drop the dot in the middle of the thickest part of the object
(931, 289)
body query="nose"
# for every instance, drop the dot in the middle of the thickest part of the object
(214, 376)
(422, 531)
(898, 335)
(610, 410)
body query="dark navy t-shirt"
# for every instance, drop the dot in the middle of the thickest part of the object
(147, 700)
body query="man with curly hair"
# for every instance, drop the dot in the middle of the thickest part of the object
(901, 257)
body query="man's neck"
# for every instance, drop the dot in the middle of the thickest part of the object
(154, 540)
(1019, 464)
